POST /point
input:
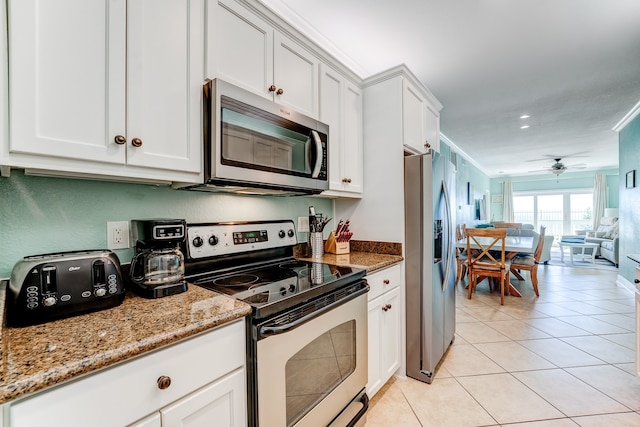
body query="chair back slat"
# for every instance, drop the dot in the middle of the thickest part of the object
(486, 240)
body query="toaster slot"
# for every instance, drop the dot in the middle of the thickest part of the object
(49, 281)
(99, 276)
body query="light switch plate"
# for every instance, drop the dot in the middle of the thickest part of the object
(303, 224)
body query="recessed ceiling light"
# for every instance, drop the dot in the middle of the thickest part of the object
(524, 127)
(525, 116)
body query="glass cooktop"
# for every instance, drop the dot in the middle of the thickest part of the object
(278, 286)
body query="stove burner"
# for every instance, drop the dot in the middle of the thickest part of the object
(236, 280)
(294, 264)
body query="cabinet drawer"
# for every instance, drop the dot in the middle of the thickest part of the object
(384, 280)
(129, 391)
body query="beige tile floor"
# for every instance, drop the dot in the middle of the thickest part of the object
(563, 359)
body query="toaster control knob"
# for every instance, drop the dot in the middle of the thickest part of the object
(283, 291)
(197, 242)
(49, 301)
(290, 233)
(100, 292)
(213, 240)
(281, 234)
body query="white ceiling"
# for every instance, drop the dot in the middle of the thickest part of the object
(572, 65)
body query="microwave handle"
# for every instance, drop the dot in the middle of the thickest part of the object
(318, 145)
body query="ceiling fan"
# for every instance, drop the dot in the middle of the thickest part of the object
(558, 167)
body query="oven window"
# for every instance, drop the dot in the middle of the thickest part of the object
(318, 368)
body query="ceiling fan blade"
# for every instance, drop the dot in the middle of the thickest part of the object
(577, 166)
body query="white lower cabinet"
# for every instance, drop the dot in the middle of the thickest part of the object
(385, 316)
(207, 387)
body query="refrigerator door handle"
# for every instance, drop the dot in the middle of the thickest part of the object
(448, 227)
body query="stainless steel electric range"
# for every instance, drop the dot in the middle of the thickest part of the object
(307, 334)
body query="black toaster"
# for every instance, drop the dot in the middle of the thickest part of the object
(52, 286)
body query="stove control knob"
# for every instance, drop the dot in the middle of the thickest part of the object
(283, 291)
(281, 234)
(49, 301)
(292, 288)
(100, 292)
(197, 242)
(213, 240)
(290, 233)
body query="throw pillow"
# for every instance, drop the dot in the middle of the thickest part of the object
(612, 233)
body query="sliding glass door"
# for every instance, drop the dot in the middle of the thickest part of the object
(562, 212)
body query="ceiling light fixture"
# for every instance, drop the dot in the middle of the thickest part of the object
(525, 116)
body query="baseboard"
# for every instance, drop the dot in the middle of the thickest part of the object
(621, 281)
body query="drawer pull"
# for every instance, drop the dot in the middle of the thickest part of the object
(164, 382)
(636, 281)
(119, 139)
(386, 307)
(386, 281)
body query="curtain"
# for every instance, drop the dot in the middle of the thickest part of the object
(599, 199)
(507, 202)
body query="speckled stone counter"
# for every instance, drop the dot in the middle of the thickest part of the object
(39, 356)
(371, 256)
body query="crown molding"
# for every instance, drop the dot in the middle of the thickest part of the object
(632, 114)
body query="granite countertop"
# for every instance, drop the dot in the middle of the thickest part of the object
(370, 255)
(39, 356)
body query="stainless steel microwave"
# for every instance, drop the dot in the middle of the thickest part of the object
(255, 146)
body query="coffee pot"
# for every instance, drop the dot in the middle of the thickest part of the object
(157, 269)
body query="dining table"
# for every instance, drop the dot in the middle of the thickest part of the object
(513, 246)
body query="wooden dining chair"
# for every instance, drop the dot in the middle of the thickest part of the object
(530, 262)
(461, 254)
(486, 257)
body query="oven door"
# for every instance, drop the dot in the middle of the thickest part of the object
(309, 373)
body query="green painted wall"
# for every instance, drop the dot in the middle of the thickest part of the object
(466, 173)
(549, 182)
(42, 215)
(629, 152)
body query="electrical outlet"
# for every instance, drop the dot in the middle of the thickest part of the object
(118, 235)
(303, 224)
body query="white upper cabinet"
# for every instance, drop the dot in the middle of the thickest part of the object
(341, 109)
(421, 119)
(247, 51)
(107, 82)
(4, 92)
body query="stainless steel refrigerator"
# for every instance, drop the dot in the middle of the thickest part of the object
(430, 264)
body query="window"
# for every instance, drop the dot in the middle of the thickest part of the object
(561, 212)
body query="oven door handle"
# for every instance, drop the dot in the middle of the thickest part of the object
(275, 330)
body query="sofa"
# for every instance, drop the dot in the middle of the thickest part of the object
(606, 235)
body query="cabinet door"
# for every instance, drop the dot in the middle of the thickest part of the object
(220, 403)
(240, 47)
(341, 109)
(432, 127)
(152, 420)
(165, 73)
(413, 117)
(384, 339)
(4, 95)
(352, 149)
(390, 334)
(375, 320)
(67, 78)
(296, 74)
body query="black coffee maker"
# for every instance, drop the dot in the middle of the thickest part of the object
(157, 269)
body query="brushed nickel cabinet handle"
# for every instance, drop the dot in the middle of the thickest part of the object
(164, 382)
(136, 142)
(119, 139)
